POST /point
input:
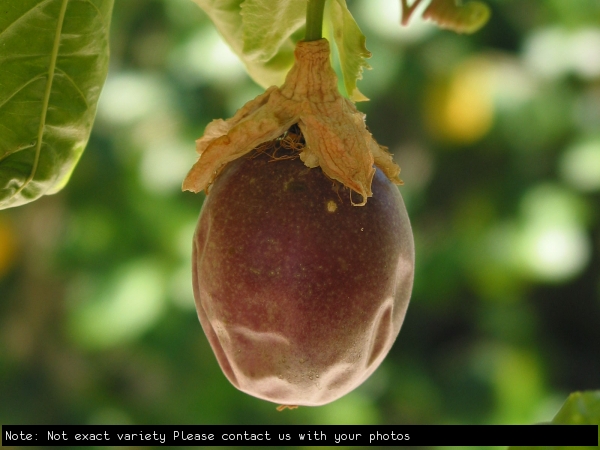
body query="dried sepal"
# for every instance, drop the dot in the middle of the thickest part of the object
(336, 136)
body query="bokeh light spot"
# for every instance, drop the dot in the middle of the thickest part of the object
(545, 52)
(555, 253)
(554, 51)
(122, 309)
(206, 58)
(129, 97)
(165, 163)
(585, 52)
(580, 165)
(552, 244)
(382, 17)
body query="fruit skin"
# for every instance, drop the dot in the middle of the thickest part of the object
(301, 294)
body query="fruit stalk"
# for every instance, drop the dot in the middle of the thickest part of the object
(314, 20)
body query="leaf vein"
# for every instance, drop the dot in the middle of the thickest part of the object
(17, 150)
(5, 59)
(25, 14)
(81, 94)
(20, 88)
(46, 101)
(98, 11)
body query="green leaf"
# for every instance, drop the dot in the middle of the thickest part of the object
(259, 31)
(266, 65)
(581, 408)
(267, 25)
(351, 47)
(53, 64)
(453, 15)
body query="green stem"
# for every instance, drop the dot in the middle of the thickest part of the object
(314, 20)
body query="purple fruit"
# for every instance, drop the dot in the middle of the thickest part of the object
(300, 293)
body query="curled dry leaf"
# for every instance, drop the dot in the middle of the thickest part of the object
(336, 136)
(458, 16)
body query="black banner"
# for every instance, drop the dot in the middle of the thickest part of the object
(295, 435)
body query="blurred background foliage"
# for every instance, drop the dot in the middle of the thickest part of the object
(498, 137)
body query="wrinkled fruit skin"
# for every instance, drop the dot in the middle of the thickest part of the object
(300, 294)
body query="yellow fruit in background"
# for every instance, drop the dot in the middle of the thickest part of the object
(461, 109)
(7, 246)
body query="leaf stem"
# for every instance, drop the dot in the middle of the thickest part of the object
(407, 11)
(314, 20)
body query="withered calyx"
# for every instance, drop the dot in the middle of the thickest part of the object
(336, 136)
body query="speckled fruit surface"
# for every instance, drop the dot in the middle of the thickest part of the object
(300, 293)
